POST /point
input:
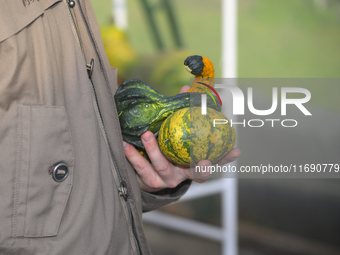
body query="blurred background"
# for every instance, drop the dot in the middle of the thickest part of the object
(275, 39)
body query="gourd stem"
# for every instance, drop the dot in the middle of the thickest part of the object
(187, 99)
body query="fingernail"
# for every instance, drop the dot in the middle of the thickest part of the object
(125, 144)
(235, 158)
(146, 138)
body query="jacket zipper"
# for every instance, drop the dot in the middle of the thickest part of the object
(122, 189)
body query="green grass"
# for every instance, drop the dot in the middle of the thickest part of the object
(279, 39)
(287, 38)
(199, 23)
(103, 10)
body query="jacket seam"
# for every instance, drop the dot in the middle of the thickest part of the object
(121, 159)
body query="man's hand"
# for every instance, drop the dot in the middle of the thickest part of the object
(161, 173)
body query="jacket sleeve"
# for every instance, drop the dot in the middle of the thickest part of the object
(152, 201)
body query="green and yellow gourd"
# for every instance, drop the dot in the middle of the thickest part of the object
(187, 137)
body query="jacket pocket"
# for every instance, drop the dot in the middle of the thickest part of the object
(41, 194)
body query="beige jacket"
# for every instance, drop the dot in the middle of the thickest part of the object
(51, 113)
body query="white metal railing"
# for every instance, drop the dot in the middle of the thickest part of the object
(227, 234)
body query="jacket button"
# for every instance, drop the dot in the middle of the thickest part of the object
(60, 172)
(72, 3)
